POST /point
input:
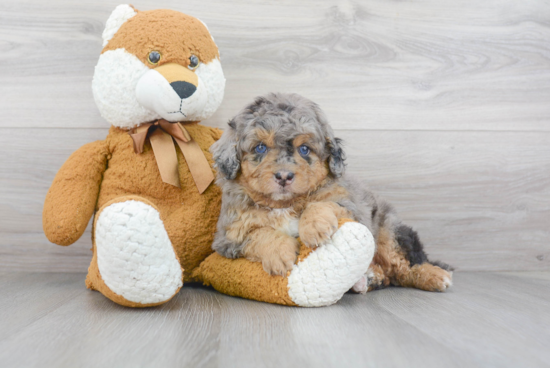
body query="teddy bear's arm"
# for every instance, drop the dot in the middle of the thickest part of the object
(72, 197)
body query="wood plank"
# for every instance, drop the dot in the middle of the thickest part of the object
(480, 200)
(201, 327)
(414, 65)
(31, 160)
(495, 319)
(32, 252)
(31, 296)
(532, 276)
(486, 319)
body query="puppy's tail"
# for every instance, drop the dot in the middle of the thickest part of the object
(412, 247)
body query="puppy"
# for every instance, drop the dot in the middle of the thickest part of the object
(281, 170)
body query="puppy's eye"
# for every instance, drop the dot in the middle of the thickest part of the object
(154, 57)
(193, 62)
(261, 148)
(303, 150)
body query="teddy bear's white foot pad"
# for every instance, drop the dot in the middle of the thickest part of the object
(332, 269)
(134, 254)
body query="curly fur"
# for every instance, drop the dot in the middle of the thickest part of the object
(258, 209)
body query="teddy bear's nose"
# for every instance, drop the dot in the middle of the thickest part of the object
(183, 89)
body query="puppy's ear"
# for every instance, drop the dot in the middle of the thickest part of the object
(225, 153)
(337, 156)
(333, 145)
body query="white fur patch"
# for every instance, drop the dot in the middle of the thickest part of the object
(447, 282)
(155, 93)
(211, 76)
(114, 87)
(361, 286)
(332, 269)
(128, 93)
(290, 221)
(117, 18)
(134, 254)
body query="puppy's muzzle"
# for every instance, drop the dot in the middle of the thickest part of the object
(284, 178)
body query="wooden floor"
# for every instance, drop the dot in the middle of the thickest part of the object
(486, 319)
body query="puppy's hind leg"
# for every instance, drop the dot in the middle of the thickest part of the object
(374, 279)
(402, 257)
(426, 277)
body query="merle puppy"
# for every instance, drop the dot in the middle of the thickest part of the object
(281, 170)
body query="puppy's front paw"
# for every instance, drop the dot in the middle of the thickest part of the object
(281, 258)
(316, 228)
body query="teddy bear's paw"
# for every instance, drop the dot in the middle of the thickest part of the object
(333, 268)
(134, 254)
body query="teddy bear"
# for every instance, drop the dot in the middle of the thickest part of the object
(150, 184)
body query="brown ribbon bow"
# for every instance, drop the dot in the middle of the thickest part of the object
(162, 134)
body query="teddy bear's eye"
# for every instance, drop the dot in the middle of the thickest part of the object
(193, 62)
(261, 148)
(154, 57)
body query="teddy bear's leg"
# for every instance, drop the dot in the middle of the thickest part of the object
(134, 263)
(320, 276)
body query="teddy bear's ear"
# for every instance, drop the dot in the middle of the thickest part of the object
(120, 15)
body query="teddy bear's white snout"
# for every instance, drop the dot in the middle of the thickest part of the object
(174, 101)
(128, 93)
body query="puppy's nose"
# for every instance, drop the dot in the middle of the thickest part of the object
(284, 177)
(183, 89)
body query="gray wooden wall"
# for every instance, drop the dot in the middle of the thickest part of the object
(444, 107)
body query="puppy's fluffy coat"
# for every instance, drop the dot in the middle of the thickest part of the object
(281, 170)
